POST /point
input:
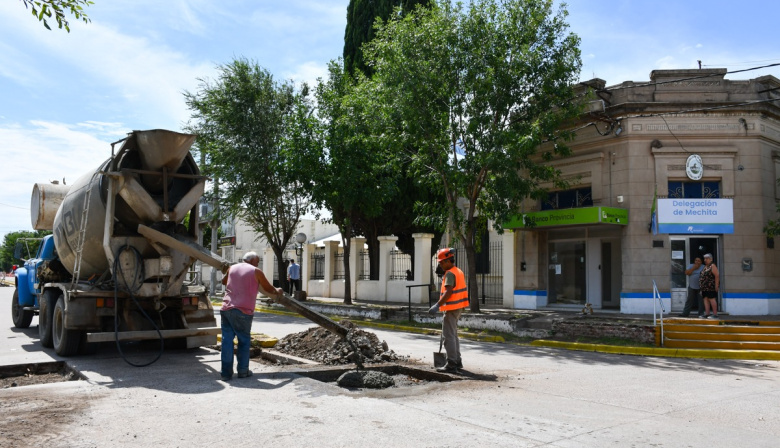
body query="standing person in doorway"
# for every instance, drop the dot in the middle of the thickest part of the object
(694, 294)
(294, 276)
(709, 280)
(238, 306)
(453, 298)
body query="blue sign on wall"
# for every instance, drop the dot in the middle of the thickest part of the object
(694, 216)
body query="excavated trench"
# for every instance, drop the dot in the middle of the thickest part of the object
(377, 367)
(37, 373)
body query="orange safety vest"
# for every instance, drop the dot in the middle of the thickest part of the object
(460, 294)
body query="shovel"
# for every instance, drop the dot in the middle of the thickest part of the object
(439, 358)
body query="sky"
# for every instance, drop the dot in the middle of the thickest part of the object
(64, 97)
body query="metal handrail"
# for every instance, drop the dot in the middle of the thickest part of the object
(657, 298)
(409, 290)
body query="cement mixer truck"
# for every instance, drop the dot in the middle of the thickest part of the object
(116, 265)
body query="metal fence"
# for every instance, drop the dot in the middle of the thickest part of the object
(365, 265)
(338, 265)
(490, 280)
(400, 265)
(317, 266)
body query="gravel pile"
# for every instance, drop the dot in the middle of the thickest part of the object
(320, 345)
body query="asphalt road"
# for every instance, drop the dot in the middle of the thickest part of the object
(524, 396)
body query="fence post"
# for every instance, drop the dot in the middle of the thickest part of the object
(268, 264)
(354, 263)
(386, 245)
(422, 264)
(306, 267)
(330, 255)
(508, 260)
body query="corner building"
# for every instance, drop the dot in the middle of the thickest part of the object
(661, 171)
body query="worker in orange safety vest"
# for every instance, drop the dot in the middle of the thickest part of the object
(454, 297)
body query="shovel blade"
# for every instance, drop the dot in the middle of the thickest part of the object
(439, 359)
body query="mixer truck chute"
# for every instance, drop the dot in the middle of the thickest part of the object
(97, 278)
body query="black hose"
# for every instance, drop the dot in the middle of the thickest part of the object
(131, 290)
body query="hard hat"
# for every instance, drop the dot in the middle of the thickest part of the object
(443, 254)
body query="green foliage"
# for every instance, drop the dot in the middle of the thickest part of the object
(250, 128)
(772, 228)
(45, 9)
(7, 259)
(471, 95)
(398, 216)
(350, 173)
(361, 16)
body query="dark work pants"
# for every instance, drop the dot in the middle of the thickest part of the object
(693, 294)
(295, 284)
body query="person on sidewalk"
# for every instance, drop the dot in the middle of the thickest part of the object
(709, 279)
(453, 298)
(242, 282)
(294, 276)
(693, 272)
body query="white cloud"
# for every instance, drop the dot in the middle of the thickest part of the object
(40, 152)
(308, 72)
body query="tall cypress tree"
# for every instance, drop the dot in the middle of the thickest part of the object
(397, 217)
(361, 15)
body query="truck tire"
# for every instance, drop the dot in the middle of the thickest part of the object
(46, 305)
(20, 316)
(66, 342)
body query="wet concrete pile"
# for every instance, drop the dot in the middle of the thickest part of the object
(320, 345)
(366, 379)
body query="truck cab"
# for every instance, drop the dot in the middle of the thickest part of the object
(28, 288)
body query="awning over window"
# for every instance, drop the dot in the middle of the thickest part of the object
(569, 217)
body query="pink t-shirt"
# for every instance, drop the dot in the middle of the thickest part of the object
(241, 289)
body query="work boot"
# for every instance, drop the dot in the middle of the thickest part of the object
(448, 368)
(246, 374)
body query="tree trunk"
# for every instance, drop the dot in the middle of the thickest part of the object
(281, 267)
(347, 242)
(471, 260)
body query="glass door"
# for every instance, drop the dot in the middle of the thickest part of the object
(566, 273)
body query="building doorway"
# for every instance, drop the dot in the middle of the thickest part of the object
(684, 250)
(566, 273)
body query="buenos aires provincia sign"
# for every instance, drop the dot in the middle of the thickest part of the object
(695, 216)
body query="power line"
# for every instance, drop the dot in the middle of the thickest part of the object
(13, 206)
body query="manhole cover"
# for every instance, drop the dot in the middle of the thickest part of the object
(38, 373)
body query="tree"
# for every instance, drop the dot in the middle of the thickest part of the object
(248, 126)
(361, 16)
(476, 92)
(772, 228)
(7, 259)
(350, 174)
(43, 9)
(397, 216)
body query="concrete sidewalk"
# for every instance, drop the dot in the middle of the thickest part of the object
(541, 320)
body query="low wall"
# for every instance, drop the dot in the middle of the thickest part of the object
(592, 328)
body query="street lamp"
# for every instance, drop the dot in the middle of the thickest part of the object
(299, 240)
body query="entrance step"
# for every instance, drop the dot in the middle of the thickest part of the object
(719, 334)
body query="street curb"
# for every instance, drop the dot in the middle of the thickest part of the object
(364, 323)
(578, 346)
(661, 351)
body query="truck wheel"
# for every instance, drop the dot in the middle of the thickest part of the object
(66, 342)
(45, 314)
(21, 317)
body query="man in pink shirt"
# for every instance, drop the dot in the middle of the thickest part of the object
(242, 282)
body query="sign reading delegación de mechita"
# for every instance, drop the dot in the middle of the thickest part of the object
(695, 216)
